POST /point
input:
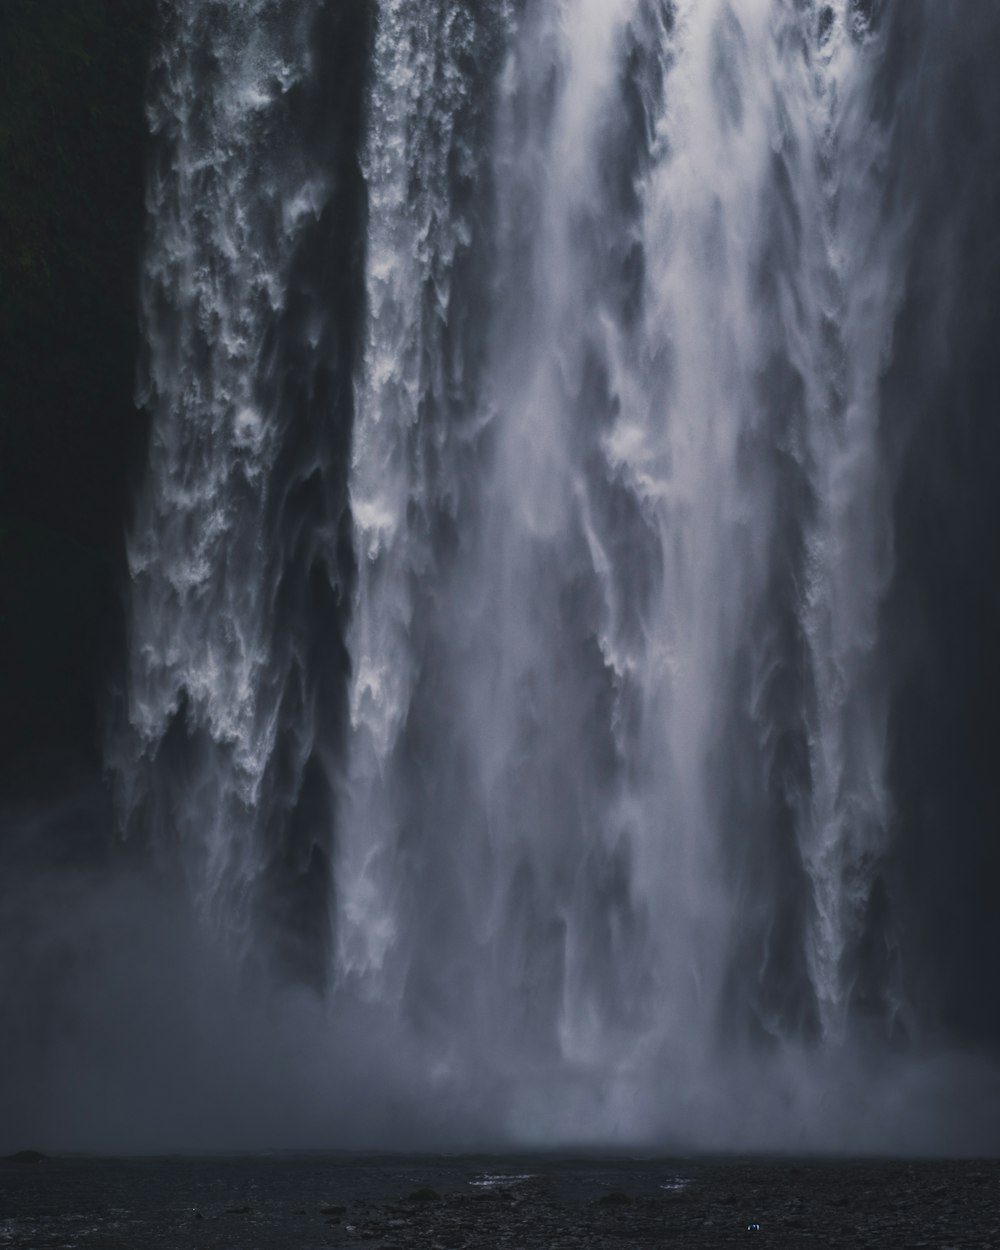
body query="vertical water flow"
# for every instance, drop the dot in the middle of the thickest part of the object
(617, 764)
(232, 196)
(769, 294)
(562, 576)
(855, 294)
(422, 168)
(592, 780)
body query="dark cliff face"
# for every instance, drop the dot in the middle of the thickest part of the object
(941, 619)
(71, 219)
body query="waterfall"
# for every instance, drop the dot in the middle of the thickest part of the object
(237, 553)
(613, 675)
(507, 633)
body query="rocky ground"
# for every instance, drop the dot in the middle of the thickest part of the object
(461, 1203)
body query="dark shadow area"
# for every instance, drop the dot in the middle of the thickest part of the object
(71, 216)
(941, 432)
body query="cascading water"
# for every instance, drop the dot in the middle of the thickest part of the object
(421, 170)
(652, 597)
(505, 623)
(216, 274)
(237, 554)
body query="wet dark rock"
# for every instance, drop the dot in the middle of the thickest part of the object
(333, 1210)
(615, 1199)
(26, 1156)
(237, 1210)
(497, 1197)
(73, 144)
(425, 1194)
(560, 1208)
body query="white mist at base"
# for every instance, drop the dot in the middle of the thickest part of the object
(127, 1033)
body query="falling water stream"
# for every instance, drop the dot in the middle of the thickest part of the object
(505, 620)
